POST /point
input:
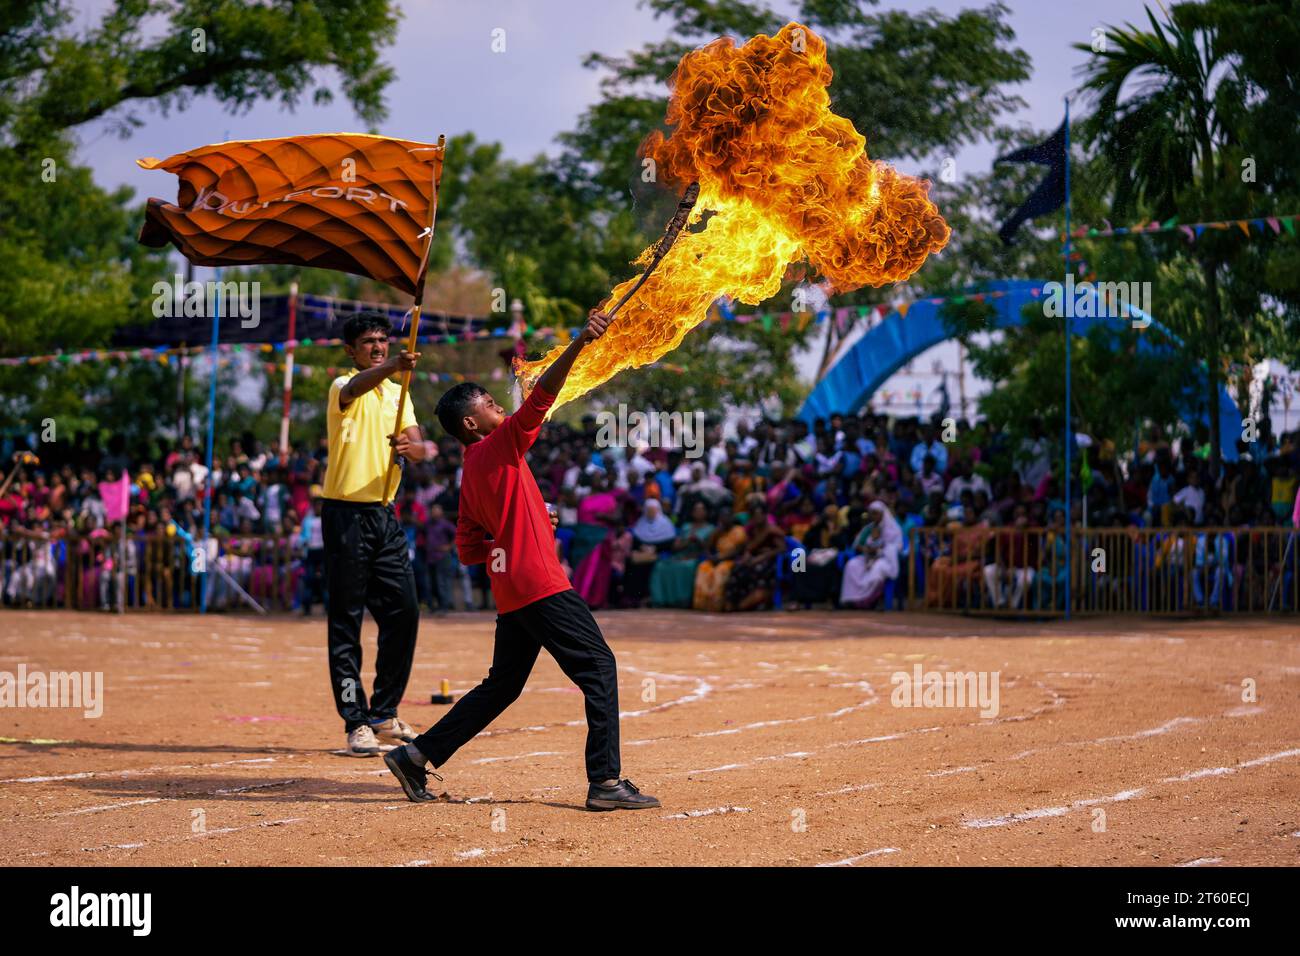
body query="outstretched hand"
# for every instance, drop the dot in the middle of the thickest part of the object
(597, 323)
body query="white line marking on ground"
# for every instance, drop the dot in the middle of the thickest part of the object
(142, 770)
(1202, 861)
(535, 753)
(883, 851)
(852, 788)
(685, 814)
(107, 806)
(1041, 812)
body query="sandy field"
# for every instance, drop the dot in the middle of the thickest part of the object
(770, 738)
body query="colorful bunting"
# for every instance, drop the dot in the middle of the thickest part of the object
(1192, 231)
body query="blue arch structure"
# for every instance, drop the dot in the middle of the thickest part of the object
(898, 339)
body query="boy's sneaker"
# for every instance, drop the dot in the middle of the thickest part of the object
(622, 796)
(410, 775)
(393, 732)
(362, 743)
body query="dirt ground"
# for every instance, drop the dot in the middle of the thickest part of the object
(770, 738)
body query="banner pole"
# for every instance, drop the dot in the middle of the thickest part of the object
(412, 341)
(212, 427)
(288, 374)
(1069, 432)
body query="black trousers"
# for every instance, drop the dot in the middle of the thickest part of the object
(313, 585)
(367, 567)
(564, 626)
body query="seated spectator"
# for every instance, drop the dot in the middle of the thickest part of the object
(752, 581)
(652, 535)
(1012, 558)
(875, 562)
(711, 577)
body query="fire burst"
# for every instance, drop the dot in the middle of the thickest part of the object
(787, 179)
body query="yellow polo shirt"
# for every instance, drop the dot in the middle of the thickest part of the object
(358, 440)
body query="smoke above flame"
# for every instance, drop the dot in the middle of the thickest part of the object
(788, 181)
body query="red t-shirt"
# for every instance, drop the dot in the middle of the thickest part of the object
(499, 499)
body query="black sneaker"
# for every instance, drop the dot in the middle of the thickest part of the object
(622, 796)
(411, 776)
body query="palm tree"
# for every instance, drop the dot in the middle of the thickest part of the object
(1163, 140)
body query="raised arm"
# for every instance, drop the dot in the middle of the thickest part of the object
(372, 378)
(553, 378)
(521, 428)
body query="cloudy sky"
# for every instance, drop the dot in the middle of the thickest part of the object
(450, 81)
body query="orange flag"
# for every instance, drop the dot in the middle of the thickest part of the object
(344, 201)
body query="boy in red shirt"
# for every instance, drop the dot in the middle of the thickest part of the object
(536, 605)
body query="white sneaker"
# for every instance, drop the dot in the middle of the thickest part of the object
(362, 743)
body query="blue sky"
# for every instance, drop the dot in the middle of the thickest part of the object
(450, 81)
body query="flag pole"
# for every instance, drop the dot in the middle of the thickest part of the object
(126, 513)
(1069, 434)
(288, 374)
(413, 341)
(212, 427)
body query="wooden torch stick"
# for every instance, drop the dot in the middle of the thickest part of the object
(413, 342)
(675, 226)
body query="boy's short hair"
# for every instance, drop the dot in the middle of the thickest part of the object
(362, 322)
(454, 406)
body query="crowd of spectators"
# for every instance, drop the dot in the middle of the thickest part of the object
(758, 514)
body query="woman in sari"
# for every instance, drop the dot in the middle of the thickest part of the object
(652, 535)
(752, 581)
(672, 583)
(721, 548)
(598, 575)
(960, 573)
(878, 546)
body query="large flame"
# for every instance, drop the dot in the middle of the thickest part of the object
(788, 180)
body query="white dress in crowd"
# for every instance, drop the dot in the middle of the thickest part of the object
(865, 577)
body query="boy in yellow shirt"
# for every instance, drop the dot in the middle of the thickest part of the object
(367, 565)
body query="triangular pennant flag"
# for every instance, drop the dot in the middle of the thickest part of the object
(1241, 224)
(902, 308)
(1187, 231)
(1200, 228)
(1169, 223)
(1289, 224)
(1272, 221)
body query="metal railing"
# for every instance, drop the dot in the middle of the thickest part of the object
(994, 571)
(163, 572)
(1182, 571)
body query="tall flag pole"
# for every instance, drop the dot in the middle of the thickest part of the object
(288, 374)
(412, 344)
(212, 430)
(1069, 335)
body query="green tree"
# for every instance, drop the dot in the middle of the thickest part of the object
(74, 271)
(1168, 122)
